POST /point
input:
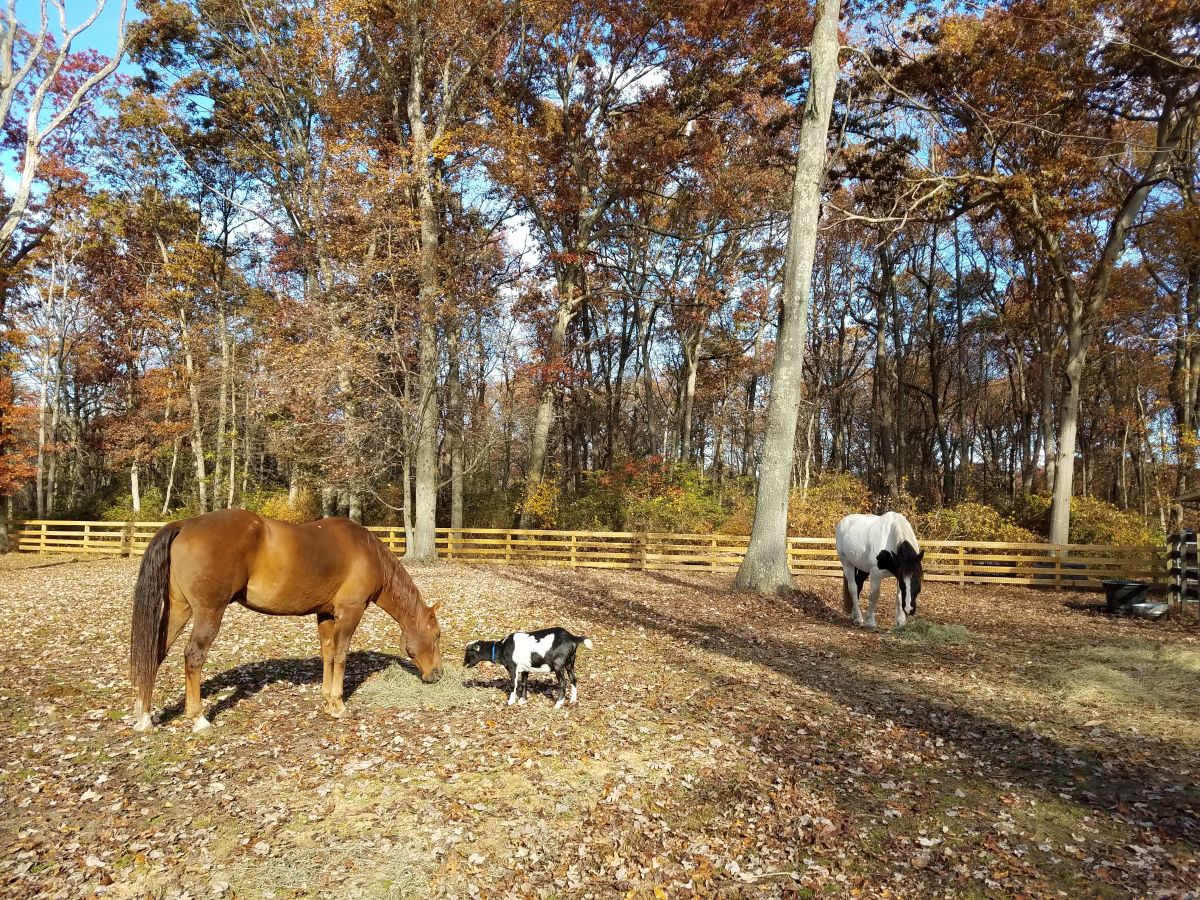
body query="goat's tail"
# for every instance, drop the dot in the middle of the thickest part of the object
(587, 642)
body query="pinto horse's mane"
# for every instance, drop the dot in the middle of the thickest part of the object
(398, 583)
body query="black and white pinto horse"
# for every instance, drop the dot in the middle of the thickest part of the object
(875, 546)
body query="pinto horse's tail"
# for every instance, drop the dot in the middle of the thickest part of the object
(149, 618)
(847, 603)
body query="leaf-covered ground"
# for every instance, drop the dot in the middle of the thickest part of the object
(723, 745)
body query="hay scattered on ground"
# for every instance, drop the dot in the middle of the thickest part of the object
(923, 631)
(399, 687)
(1161, 681)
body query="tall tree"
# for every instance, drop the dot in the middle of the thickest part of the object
(765, 567)
(1071, 159)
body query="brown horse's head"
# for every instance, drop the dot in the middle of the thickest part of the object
(423, 643)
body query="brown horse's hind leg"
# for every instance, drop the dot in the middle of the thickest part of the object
(177, 617)
(208, 621)
(345, 623)
(325, 630)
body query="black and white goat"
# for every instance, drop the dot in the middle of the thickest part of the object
(546, 650)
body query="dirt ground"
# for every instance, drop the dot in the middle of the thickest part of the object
(1018, 743)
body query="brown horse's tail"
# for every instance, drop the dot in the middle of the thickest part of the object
(847, 603)
(149, 616)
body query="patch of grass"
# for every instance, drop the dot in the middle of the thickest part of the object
(397, 687)
(922, 631)
(1155, 682)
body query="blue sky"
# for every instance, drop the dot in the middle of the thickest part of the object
(102, 36)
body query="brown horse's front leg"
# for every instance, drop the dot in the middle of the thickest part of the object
(347, 620)
(207, 622)
(325, 631)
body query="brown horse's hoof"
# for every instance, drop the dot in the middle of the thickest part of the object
(143, 723)
(338, 712)
(201, 725)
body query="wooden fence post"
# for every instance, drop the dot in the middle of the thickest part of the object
(574, 540)
(127, 539)
(1058, 568)
(42, 544)
(712, 554)
(962, 565)
(87, 536)
(508, 538)
(642, 540)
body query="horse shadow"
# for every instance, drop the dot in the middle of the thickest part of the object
(249, 679)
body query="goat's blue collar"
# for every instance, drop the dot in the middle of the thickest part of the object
(493, 651)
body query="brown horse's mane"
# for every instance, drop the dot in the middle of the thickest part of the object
(398, 583)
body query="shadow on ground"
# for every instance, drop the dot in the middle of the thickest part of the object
(1032, 760)
(248, 679)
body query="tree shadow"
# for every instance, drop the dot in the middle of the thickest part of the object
(248, 679)
(1024, 757)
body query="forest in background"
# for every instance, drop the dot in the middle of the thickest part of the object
(495, 263)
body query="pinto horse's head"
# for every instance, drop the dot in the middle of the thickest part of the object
(423, 644)
(905, 564)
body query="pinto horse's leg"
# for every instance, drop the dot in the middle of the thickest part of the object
(876, 578)
(901, 620)
(208, 622)
(852, 591)
(344, 624)
(325, 630)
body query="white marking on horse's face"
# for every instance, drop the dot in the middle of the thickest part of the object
(908, 600)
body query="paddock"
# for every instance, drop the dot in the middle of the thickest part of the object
(1011, 742)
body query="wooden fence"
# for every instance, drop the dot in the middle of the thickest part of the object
(963, 562)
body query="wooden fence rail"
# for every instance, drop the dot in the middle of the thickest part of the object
(963, 562)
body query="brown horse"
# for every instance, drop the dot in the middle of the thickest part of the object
(332, 569)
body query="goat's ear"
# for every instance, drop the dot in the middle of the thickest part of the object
(886, 561)
(436, 606)
(921, 555)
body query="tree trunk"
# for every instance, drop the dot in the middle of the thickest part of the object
(540, 440)
(197, 424)
(223, 404)
(645, 333)
(765, 566)
(1068, 424)
(964, 446)
(455, 425)
(423, 546)
(39, 498)
(233, 433)
(687, 388)
(884, 383)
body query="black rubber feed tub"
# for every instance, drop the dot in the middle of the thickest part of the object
(1120, 595)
